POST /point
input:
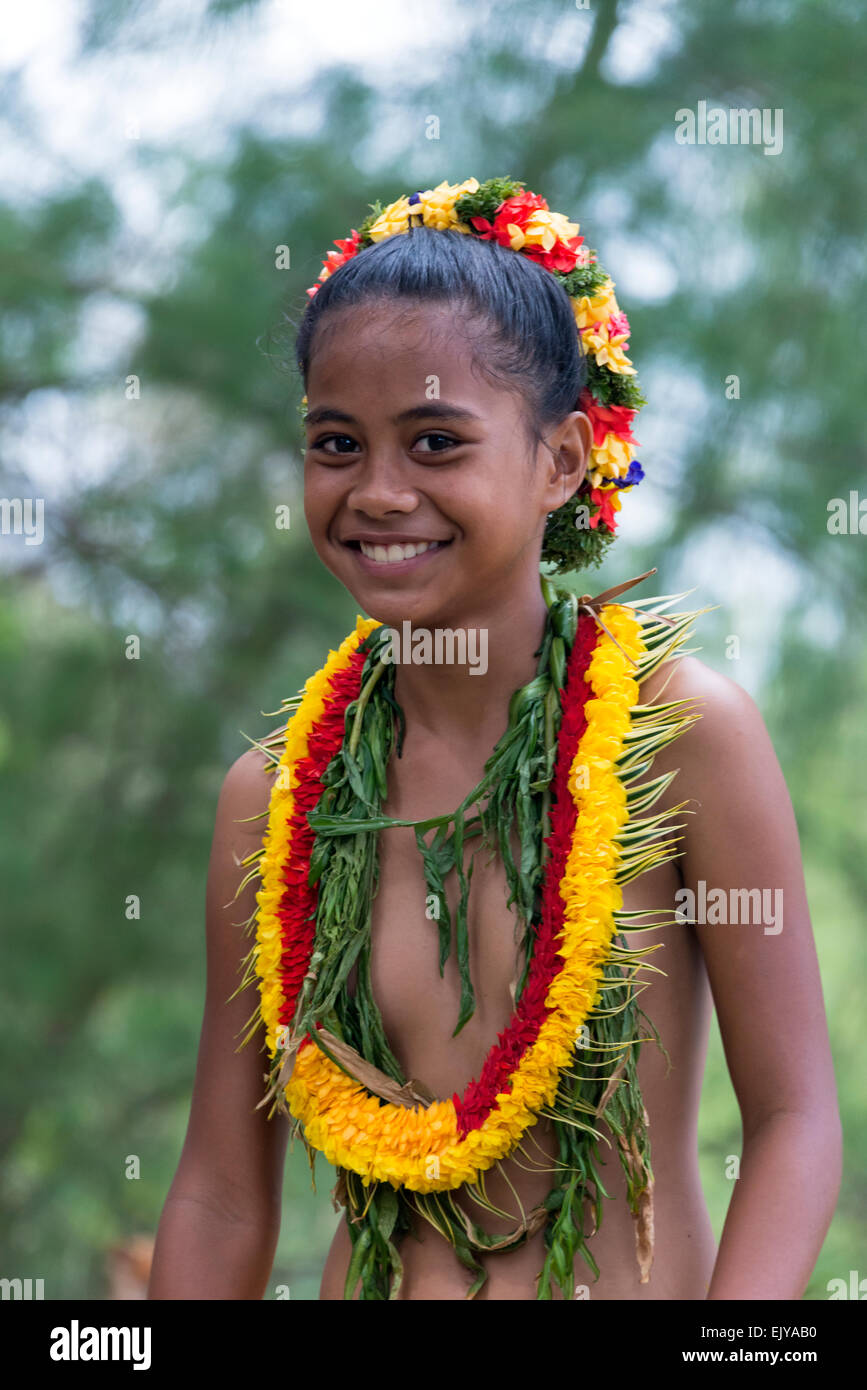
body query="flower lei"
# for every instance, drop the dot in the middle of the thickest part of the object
(499, 210)
(397, 1146)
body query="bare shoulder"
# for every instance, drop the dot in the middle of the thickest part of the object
(726, 765)
(246, 788)
(240, 822)
(730, 726)
(687, 678)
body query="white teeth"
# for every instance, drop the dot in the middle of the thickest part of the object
(389, 555)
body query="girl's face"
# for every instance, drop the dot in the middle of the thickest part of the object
(407, 445)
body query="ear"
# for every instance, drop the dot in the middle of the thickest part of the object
(567, 456)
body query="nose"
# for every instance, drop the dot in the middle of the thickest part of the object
(382, 486)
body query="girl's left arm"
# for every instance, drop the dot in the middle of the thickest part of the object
(764, 974)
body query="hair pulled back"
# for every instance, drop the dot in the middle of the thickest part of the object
(530, 342)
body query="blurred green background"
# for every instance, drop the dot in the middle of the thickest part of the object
(154, 157)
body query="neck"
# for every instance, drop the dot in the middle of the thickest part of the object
(465, 699)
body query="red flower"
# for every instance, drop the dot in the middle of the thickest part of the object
(605, 419)
(480, 1096)
(297, 908)
(347, 248)
(605, 514)
(518, 210)
(562, 256)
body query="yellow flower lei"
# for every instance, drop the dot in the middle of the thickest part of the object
(418, 1147)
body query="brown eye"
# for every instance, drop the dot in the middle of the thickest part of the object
(446, 442)
(332, 438)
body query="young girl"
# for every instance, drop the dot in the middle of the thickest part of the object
(458, 1031)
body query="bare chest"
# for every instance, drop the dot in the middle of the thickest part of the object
(420, 1003)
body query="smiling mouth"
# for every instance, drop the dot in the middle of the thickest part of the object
(394, 554)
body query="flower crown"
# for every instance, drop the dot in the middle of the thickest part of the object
(577, 534)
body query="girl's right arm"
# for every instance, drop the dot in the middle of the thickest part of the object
(218, 1231)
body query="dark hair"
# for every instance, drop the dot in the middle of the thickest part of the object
(520, 323)
(529, 342)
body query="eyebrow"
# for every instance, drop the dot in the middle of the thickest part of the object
(431, 410)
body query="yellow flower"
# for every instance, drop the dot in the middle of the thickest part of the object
(436, 206)
(608, 351)
(610, 459)
(545, 229)
(598, 308)
(392, 221)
